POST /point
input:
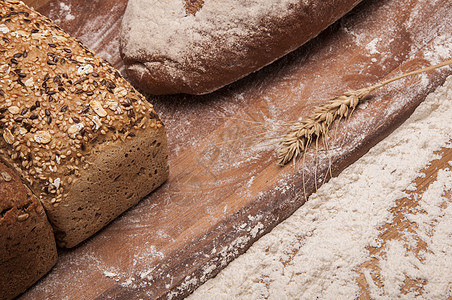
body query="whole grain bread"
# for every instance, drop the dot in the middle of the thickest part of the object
(198, 46)
(27, 245)
(84, 140)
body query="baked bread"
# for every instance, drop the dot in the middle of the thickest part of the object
(27, 244)
(198, 46)
(83, 139)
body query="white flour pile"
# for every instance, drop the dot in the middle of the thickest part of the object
(316, 252)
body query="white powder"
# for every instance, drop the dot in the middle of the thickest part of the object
(442, 46)
(110, 274)
(157, 24)
(372, 46)
(315, 252)
(63, 12)
(434, 226)
(66, 9)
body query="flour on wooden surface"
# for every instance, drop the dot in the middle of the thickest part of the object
(98, 34)
(63, 12)
(433, 224)
(66, 9)
(316, 251)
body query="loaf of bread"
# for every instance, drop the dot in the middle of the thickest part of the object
(27, 244)
(198, 46)
(85, 141)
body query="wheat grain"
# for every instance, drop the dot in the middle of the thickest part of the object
(299, 136)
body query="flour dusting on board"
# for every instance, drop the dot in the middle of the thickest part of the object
(314, 253)
(98, 33)
(442, 49)
(62, 13)
(433, 222)
(66, 10)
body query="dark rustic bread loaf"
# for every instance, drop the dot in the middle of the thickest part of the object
(84, 140)
(198, 46)
(27, 244)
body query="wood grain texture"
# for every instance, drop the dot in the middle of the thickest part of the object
(225, 189)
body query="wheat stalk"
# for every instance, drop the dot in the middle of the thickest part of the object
(299, 136)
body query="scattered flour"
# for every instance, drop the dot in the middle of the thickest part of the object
(110, 274)
(315, 253)
(434, 227)
(442, 49)
(372, 46)
(66, 9)
(63, 13)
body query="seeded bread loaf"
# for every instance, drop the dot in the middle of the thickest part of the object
(198, 46)
(27, 244)
(84, 140)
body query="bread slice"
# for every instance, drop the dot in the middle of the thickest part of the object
(27, 245)
(199, 46)
(85, 141)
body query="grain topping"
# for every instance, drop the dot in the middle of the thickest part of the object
(57, 99)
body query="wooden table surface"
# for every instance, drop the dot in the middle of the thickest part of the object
(225, 189)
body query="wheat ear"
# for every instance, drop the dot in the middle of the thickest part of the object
(299, 136)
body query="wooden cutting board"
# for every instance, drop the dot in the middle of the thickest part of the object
(225, 189)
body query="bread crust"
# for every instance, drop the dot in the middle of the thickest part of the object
(170, 48)
(27, 245)
(67, 119)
